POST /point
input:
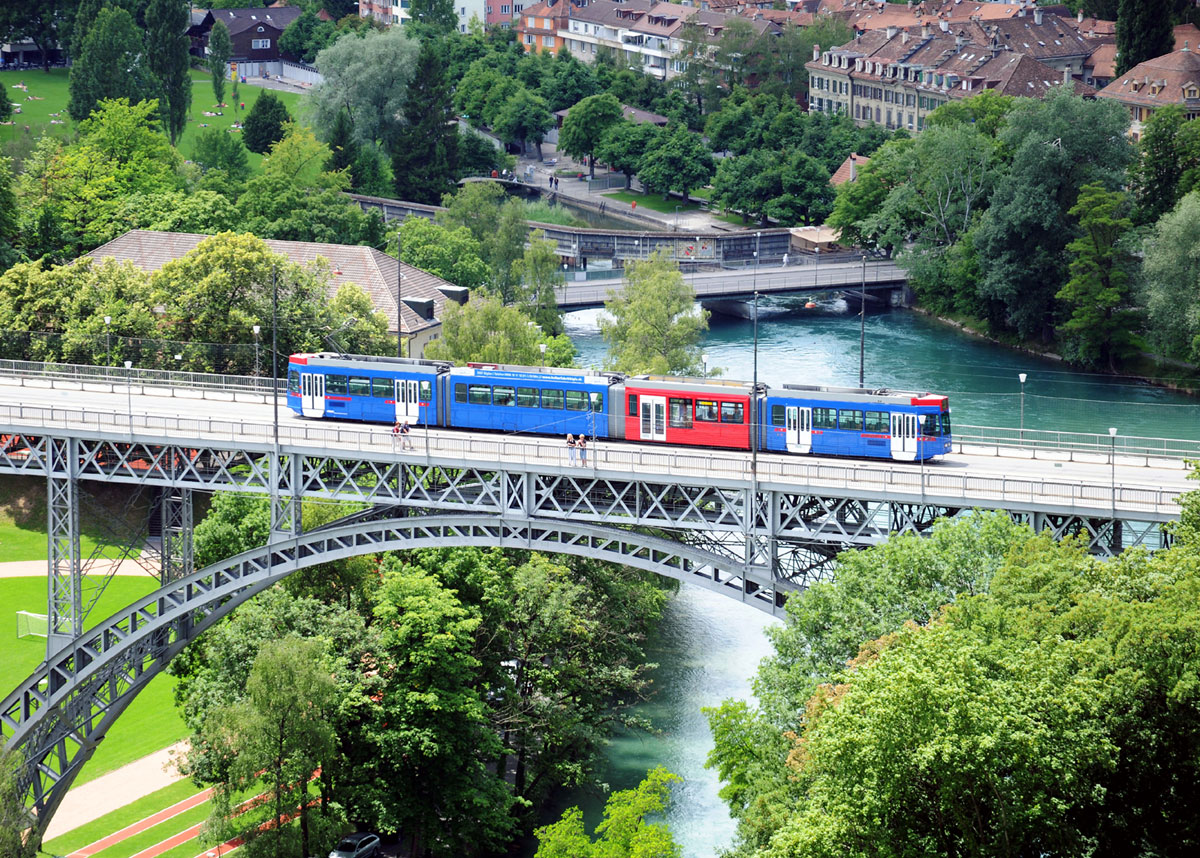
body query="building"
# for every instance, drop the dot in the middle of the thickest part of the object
(848, 171)
(896, 78)
(423, 296)
(254, 33)
(1170, 79)
(388, 12)
(538, 25)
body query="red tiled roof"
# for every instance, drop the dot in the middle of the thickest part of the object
(848, 171)
(1162, 80)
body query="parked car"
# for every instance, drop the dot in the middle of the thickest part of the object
(361, 844)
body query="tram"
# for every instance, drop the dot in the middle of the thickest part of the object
(689, 412)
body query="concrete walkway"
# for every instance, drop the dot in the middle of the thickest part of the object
(100, 566)
(116, 789)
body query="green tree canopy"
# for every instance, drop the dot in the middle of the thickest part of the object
(14, 821)
(112, 65)
(167, 46)
(1171, 281)
(452, 254)
(220, 49)
(525, 116)
(486, 330)
(678, 161)
(624, 145)
(425, 158)
(215, 149)
(1143, 32)
(654, 325)
(585, 126)
(264, 125)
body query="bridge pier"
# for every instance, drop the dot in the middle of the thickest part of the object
(64, 612)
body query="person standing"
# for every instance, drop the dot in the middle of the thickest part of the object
(583, 450)
(570, 448)
(405, 432)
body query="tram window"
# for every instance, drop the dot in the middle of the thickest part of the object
(946, 422)
(681, 413)
(597, 400)
(527, 397)
(778, 415)
(460, 393)
(930, 425)
(876, 421)
(360, 386)
(552, 399)
(382, 388)
(824, 418)
(733, 412)
(426, 394)
(504, 396)
(851, 419)
(480, 394)
(293, 381)
(336, 384)
(706, 411)
(633, 405)
(577, 400)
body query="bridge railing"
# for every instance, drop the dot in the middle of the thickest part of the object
(931, 483)
(117, 376)
(1073, 445)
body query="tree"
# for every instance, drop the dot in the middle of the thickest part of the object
(220, 49)
(202, 211)
(425, 154)
(655, 326)
(307, 36)
(113, 65)
(569, 82)
(525, 116)
(747, 183)
(1162, 157)
(9, 218)
(452, 254)
(432, 19)
(1171, 281)
(14, 821)
(343, 148)
(487, 331)
(264, 123)
(216, 149)
(368, 77)
(625, 829)
(803, 195)
(539, 273)
(679, 161)
(986, 112)
(1143, 32)
(167, 49)
(37, 20)
(624, 145)
(585, 126)
(1100, 330)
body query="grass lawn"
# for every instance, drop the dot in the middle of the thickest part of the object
(51, 95)
(120, 818)
(654, 202)
(149, 724)
(23, 519)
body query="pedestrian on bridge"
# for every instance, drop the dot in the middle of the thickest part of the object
(405, 432)
(583, 450)
(570, 448)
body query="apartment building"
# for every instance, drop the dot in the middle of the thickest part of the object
(539, 25)
(1170, 79)
(390, 12)
(896, 78)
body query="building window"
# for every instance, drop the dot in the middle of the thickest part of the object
(260, 44)
(505, 10)
(547, 41)
(529, 40)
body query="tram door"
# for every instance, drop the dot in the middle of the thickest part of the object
(312, 394)
(799, 429)
(408, 406)
(654, 418)
(904, 437)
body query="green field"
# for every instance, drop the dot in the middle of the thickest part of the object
(23, 520)
(656, 203)
(151, 722)
(49, 93)
(122, 817)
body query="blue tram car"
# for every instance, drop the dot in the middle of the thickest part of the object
(526, 399)
(362, 387)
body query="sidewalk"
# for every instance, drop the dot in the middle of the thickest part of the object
(100, 566)
(116, 789)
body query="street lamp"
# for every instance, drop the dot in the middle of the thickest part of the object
(677, 208)
(399, 298)
(704, 363)
(542, 349)
(1112, 457)
(256, 330)
(862, 322)
(129, 393)
(107, 340)
(1022, 376)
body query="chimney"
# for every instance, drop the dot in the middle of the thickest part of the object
(904, 37)
(853, 166)
(1037, 16)
(816, 52)
(945, 27)
(924, 31)
(1067, 76)
(1021, 12)
(1079, 17)
(891, 33)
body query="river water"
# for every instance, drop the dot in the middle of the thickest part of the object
(710, 645)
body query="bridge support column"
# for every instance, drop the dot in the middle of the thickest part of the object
(65, 578)
(286, 479)
(177, 559)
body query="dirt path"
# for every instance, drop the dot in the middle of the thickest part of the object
(114, 790)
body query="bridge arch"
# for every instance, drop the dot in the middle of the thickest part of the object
(59, 714)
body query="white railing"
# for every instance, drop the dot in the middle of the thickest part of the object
(119, 376)
(929, 483)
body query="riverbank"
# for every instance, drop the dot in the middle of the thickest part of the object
(1190, 387)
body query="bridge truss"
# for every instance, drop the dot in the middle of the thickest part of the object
(755, 535)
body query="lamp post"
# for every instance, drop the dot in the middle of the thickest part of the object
(817, 268)
(862, 322)
(129, 393)
(542, 349)
(1022, 376)
(704, 363)
(107, 340)
(677, 208)
(399, 299)
(1112, 458)
(256, 330)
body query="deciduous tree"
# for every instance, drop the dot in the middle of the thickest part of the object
(167, 50)
(624, 145)
(585, 126)
(220, 48)
(539, 273)
(452, 254)
(264, 125)
(525, 116)
(113, 64)
(14, 821)
(654, 325)
(679, 161)
(486, 330)
(1171, 281)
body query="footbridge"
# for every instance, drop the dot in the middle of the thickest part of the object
(753, 528)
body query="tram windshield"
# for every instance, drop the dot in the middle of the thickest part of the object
(946, 422)
(931, 425)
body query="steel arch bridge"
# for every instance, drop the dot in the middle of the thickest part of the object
(754, 530)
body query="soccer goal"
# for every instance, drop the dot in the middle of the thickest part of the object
(33, 625)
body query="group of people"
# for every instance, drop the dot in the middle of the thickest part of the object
(403, 431)
(577, 445)
(554, 182)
